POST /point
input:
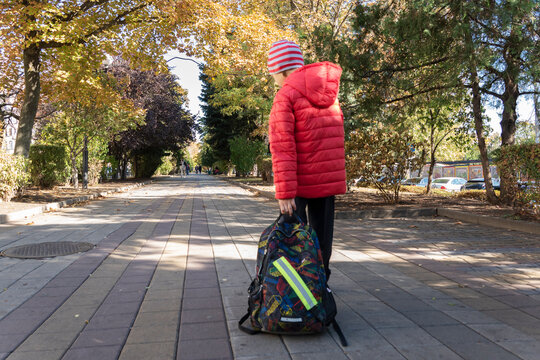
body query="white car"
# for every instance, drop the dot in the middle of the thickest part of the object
(448, 183)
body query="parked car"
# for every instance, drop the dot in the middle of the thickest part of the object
(448, 183)
(480, 184)
(415, 181)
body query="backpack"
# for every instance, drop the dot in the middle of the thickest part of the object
(289, 294)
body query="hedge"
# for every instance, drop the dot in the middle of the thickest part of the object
(49, 165)
(13, 175)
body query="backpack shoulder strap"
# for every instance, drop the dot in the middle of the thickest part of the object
(339, 333)
(246, 329)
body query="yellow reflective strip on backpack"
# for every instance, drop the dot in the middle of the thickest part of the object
(296, 282)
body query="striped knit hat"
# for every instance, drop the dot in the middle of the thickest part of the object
(284, 55)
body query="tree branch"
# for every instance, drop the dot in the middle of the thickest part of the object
(434, 88)
(187, 59)
(87, 5)
(408, 68)
(118, 20)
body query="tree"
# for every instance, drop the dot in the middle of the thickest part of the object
(39, 35)
(407, 49)
(244, 153)
(76, 122)
(437, 121)
(168, 125)
(220, 123)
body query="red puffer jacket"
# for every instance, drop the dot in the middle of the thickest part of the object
(306, 134)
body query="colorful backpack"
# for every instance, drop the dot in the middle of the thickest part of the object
(289, 294)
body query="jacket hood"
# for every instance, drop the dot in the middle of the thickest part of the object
(318, 82)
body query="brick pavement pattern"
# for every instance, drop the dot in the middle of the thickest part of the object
(173, 260)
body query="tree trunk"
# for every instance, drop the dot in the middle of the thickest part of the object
(430, 173)
(479, 127)
(124, 168)
(32, 88)
(74, 172)
(508, 130)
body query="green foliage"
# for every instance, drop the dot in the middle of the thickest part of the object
(376, 152)
(48, 165)
(168, 165)
(244, 153)
(13, 175)
(207, 156)
(523, 161)
(147, 163)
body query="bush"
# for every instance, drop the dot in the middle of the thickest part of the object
(518, 160)
(49, 165)
(13, 175)
(380, 156)
(94, 171)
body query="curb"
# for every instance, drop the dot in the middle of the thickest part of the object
(385, 213)
(360, 214)
(501, 223)
(39, 209)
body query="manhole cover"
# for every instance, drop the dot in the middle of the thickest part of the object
(46, 249)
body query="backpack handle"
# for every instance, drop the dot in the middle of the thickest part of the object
(286, 218)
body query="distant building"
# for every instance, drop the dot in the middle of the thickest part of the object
(10, 134)
(469, 169)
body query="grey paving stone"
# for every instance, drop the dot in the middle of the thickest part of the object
(527, 349)
(47, 341)
(36, 355)
(200, 303)
(205, 349)
(430, 317)
(482, 350)
(325, 355)
(160, 305)
(500, 332)
(152, 334)
(386, 318)
(422, 352)
(316, 343)
(101, 337)
(454, 334)
(112, 321)
(200, 331)
(406, 337)
(247, 345)
(203, 315)
(161, 350)
(91, 353)
(470, 316)
(485, 303)
(165, 318)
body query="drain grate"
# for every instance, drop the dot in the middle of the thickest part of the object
(46, 249)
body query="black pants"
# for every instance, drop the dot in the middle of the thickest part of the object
(320, 216)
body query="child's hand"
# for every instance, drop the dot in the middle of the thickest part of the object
(287, 206)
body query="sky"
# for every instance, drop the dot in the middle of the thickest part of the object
(188, 77)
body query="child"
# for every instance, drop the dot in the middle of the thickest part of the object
(307, 139)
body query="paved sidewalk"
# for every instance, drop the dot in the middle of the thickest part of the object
(168, 280)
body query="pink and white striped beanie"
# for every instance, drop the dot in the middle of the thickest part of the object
(284, 55)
